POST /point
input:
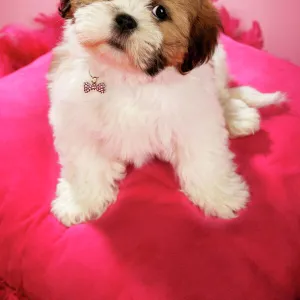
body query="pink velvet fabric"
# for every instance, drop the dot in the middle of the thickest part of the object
(19, 45)
(153, 244)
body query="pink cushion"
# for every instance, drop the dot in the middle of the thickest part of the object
(153, 244)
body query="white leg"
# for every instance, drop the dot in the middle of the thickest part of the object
(240, 108)
(241, 120)
(87, 186)
(207, 175)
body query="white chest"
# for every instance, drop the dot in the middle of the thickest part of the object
(132, 121)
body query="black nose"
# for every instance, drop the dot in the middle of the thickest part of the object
(126, 22)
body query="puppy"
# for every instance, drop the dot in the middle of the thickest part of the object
(118, 96)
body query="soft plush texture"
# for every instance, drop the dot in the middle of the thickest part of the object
(153, 243)
(20, 45)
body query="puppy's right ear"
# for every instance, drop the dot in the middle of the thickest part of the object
(65, 9)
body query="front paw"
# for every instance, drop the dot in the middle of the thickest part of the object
(68, 212)
(71, 210)
(222, 198)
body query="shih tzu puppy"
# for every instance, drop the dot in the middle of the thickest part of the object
(118, 96)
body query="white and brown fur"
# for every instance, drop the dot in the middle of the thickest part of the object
(150, 108)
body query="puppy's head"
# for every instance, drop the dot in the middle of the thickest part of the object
(148, 34)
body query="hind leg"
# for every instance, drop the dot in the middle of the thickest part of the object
(241, 120)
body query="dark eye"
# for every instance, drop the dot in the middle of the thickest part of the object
(160, 12)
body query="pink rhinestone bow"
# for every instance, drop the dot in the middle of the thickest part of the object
(94, 86)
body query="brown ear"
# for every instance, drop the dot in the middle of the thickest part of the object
(65, 9)
(203, 37)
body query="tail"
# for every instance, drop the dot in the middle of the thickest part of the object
(247, 94)
(254, 98)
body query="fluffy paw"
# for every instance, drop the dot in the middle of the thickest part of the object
(221, 199)
(241, 120)
(70, 211)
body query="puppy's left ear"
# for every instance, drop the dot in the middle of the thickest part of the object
(65, 9)
(203, 37)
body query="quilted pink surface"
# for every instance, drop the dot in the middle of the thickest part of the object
(152, 244)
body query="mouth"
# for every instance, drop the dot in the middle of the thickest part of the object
(119, 39)
(157, 65)
(117, 44)
(151, 66)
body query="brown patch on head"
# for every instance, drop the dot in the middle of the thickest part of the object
(68, 7)
(191, 34)
(65, 9)
(176, 31)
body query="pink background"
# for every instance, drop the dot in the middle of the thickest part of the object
(279, 20)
